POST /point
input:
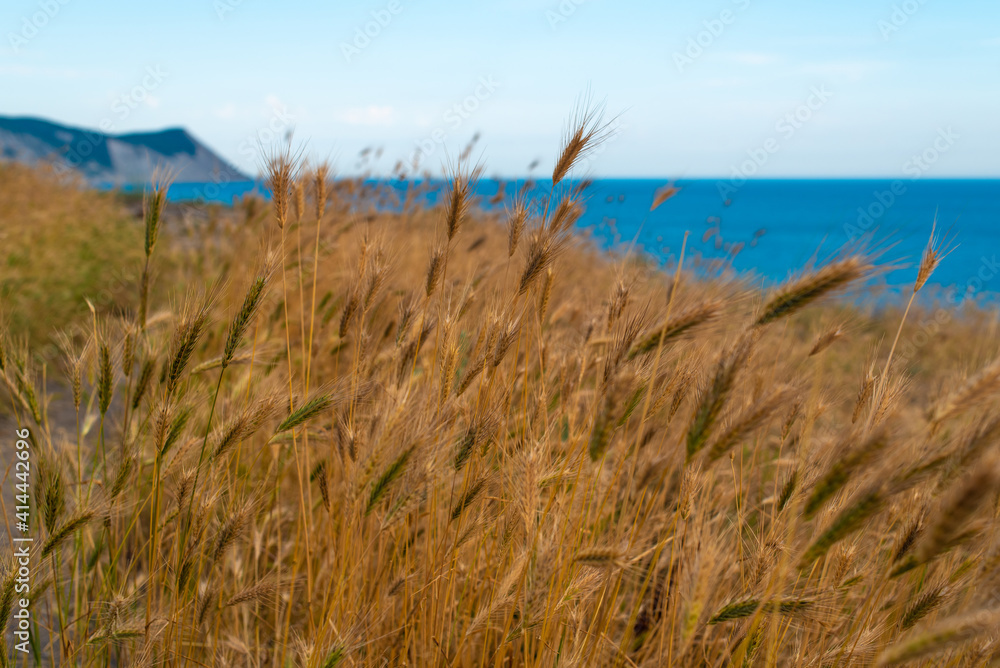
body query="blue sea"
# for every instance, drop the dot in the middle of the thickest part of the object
(773, 228)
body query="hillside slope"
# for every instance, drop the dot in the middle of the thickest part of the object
(112, 159)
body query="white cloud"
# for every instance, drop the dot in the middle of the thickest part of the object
(749, 57)
(45, 72)
(852, 70)
(370, 115)
(226, 112)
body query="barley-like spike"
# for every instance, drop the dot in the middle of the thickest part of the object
(566, 213)
(186, 339)
(434, 271)
(747, 607)
(787, 489)
(545, 296)
(105, 382)
(281, 166)
(465, 446)
(334, 656)
(827, 339)
(128, 351)
(675, 328)
(864, 394)
(232, 528)
(244, 425)
(53, 497)
(324, 485)
(713, 397)
(587, 130)
(471, 372)
(847, 522)
(244, 318)
(841, 471)
(463, 183)
(306, 412)
(505, 340)
(176, 428)
(205, 602)
(600, 557)
(350, 309)
(7, 595)
(381, 486)
(153, 202)
(937, 249)
(748, 421)
(57, 537)
(145, 375)
(517, 217)
(468, 498)
(299, 199)
(320, 177)
(540, 253)
(973, 392)
(945, 529)
(939, 638)
(804, 291)
(908, 538)
(923, 606)
(256, 592)
(125, 468)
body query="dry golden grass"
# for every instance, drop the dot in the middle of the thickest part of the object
(60, 244)
(445, 437)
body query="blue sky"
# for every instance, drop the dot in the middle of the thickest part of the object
(714, 88)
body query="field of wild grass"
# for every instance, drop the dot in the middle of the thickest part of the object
(309, 433)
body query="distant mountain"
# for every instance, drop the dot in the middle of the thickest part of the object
(113, 159)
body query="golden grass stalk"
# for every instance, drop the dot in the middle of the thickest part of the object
(932, 256)
(470, 496)
(542, 249)
(676, 327)
(234, 524)
(245, 424)
(307, 411)
(943, 636)
(434, 271)
(601, 557)
(153, 202)
(827, 339)
(806, 290)
(384, 482)
(248, 311)
(459, 198)
(950, 525)
(713, 396)
(281, 167)
(749, 420)
(974, 392)
(586, 131)
(563, 217)
(186, 337)
(865, 505)
(937, 249)
(105, 384)
(67, 529)
(925, 604)
(141, 385)
(842, 469)
(517, 218)
(662, 194)
(747, 607)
